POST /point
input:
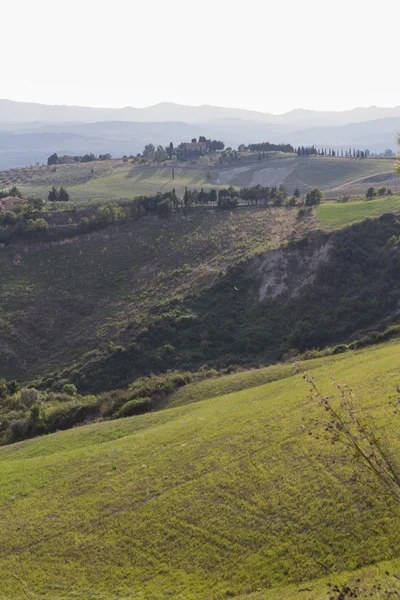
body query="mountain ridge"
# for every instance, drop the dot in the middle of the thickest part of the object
(14, 111)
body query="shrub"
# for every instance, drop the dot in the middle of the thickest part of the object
(69, 389)
(12, 387)
(340, 348)
(29, 397)
(134, 407)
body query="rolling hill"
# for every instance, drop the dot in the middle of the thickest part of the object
(226, 497)
(30, 132)
(117, 179)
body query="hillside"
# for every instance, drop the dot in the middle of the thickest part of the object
(98, 286)
(225, 497)
(118, 179)
(208, 287)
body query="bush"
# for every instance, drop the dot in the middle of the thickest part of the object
(29, 397)
(134, 407)
(69, 389)
(340, 348)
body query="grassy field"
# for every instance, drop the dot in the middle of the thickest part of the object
(330, 174)
(332, 215)
(223, 497)
(118, 179)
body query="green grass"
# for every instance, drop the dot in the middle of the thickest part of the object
(211, 388)
(218, 498)
(116, 179)
(332, 215)
(330, 174)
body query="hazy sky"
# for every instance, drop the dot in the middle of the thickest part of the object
(257, 54)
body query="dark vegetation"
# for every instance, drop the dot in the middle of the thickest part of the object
(30, 412)
(31, 221)
(351, 285)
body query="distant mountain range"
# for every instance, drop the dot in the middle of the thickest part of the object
(29, 131)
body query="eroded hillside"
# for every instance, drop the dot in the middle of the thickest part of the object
(63, 299)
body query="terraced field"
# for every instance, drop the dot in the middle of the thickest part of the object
(219, 498)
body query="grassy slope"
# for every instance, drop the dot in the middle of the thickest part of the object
(332, 215)
(330, 173)
(115, 179)
(212, 499)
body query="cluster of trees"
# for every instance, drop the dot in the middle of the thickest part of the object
(54, 159)
(267, 147)
(314, 197)
(12, 191)
(56, 195)
(22, 220)
(159, 203)
(382, 191)
(224, 198)
(306, 151)
(161, 153)
(350, 153)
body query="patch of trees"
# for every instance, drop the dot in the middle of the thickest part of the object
(54, 159)
(382, 191)
(314, 197)
(268, 147)
(259, 193)
(306, 151)
(12, 191)
(58, 195)
(349, 153)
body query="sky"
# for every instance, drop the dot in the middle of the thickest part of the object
(272, 56)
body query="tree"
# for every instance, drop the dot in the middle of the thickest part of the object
(149, 151)
(14, 191)
(3, 389)
(186, 197)
(53, 195)
(53, 160)
(296, 193)
(13, 387)
(382, 191)
(63, 195)
(170, 150)
(88, 157)
(371, 193)
(212, 196)
(35, 203)
(314, 197)
(160, 154)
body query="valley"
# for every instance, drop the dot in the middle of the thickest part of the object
(157, 437)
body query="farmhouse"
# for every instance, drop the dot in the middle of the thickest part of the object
(194, 148)
(66, 160)
(10, 202)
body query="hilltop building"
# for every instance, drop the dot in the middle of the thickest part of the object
(10, 202)
(194, 148)
(66, 160)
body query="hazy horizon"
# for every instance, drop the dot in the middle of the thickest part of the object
(206, 104)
